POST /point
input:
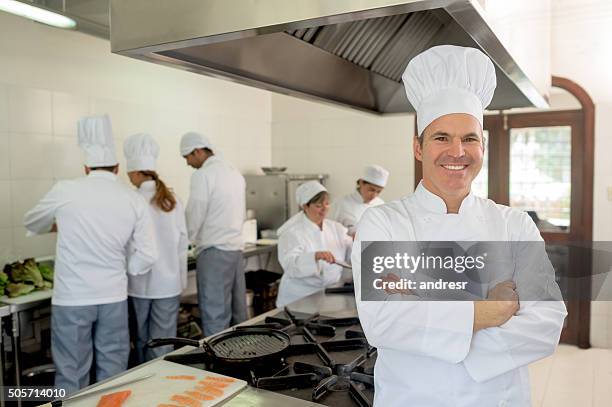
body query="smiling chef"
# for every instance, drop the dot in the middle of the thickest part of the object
(462, 353)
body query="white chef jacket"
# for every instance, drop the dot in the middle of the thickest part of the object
(216, 208)
(297, 244)
(427, 353)
(168, 276)
(349, 209)
(97, 218)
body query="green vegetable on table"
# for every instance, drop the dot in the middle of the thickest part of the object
(4, 280)
(32, 273)
(22, 278)
(16, 289)
(46, 271)
(26, 272)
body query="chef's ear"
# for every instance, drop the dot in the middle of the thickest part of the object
(116, 169)
(87, 170)
(417, 147)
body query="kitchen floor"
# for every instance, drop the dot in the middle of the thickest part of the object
(573, 377)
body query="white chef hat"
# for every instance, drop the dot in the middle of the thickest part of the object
(449, 79)
(192, 140)
(308, 190)
(375, 174)
(140, 152)
(95, 138)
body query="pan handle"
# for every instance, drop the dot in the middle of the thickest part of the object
(207, 348)
(153, 343)
(188, 358)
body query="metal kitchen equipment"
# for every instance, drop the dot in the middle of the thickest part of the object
(350, 53)
(329, 361)
(256, 345)
(273, 196)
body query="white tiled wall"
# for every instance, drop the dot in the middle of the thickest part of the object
(49, 78)
(310, 137)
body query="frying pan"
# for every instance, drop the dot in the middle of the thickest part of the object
(254, 345)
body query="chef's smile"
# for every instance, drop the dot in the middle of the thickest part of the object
(454, 168)
(451, 150)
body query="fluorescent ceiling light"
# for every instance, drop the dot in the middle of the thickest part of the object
(36, 14)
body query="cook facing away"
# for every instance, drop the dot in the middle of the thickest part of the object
(462, 353)
(155, 296)
(215, 213)
(97, 218)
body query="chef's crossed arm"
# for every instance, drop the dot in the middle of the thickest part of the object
(444, 330)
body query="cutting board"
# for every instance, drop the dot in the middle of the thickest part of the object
(159, 389)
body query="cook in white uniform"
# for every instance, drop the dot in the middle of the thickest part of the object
(215, 214)
(155, 295)
(308, 246)
(348, 209)
(459, 353)
(97, 218)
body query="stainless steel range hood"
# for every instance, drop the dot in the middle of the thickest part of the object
(349, 52)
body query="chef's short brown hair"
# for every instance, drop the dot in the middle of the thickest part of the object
(109, 168)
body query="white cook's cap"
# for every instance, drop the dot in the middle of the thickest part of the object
(308, 190)
(95, 138)
(141, 152)
(192, 140)
(449, 79)
(375, 174)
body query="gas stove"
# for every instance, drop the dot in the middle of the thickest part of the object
(329, 361)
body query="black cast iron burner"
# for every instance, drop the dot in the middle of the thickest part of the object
(328, 375)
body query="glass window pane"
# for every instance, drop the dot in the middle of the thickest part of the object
(480, 185)
(540, 175)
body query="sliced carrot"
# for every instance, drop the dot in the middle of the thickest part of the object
(114, 399)
(186, 401)
(181, 377)
(220, 379)
(199, 396)
(219, 385)
(213, 391)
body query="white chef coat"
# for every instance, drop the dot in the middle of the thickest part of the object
(168, 276)
(297, 244)
(427, 353)
(349, 209)
(97, 218)
(216, 208)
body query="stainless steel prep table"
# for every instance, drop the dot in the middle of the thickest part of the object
(249, 250)
(16, 307)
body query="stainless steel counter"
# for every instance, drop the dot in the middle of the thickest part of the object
(333, 305)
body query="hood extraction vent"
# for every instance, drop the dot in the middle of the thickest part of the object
(327, 50)
(383, 45)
